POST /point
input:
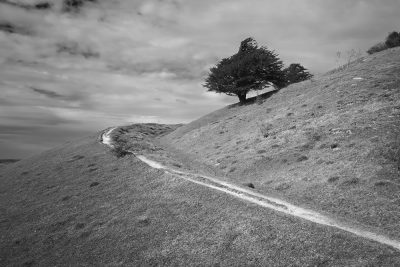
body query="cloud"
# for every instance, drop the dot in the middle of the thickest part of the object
(47, 93)
(181, 101)
(117, 62)
(17, 129)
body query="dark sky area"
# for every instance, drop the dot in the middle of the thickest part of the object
(64, 75)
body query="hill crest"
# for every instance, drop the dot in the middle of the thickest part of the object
(331, 143)
(328, 144)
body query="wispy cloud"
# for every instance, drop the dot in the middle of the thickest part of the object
(117, 62)
(47, 93)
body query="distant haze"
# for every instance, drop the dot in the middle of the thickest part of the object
(63, 76)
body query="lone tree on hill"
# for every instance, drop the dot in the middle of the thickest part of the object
(251, 68)
(296, 73)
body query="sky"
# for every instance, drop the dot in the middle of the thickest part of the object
(66, 75)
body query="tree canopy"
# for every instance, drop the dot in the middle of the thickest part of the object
(251, 68)
(296, 73)
(393, 39)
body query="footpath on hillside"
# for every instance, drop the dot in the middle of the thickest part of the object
(139, 140)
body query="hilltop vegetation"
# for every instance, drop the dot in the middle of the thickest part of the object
(331, 143)
(252, 68)
(392, 40)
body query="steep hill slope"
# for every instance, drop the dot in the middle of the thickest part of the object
(80, 205)
(331, 143)
(5, 162)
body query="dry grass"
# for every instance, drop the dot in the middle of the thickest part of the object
(337, 152)
(80, 205)
(307, 133)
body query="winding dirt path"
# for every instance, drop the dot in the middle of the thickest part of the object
(262, 200)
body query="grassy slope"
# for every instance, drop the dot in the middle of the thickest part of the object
(81, 205)
(6, 162)
(331, 143)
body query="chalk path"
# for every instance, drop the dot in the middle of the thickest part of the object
(262, 200)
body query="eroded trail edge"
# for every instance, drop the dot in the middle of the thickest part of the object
(261, 200)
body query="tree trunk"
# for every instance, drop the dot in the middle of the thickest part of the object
(242, 98)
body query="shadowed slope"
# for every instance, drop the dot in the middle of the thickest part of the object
(114, 142)
(81, 205)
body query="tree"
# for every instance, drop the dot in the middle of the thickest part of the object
(296, 73)
(393, 39)
(251, 68)
(377, 48)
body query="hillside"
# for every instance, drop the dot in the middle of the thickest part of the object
(5, 162)
(331, 143)
(80, 205)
